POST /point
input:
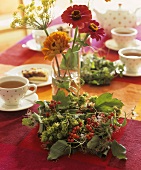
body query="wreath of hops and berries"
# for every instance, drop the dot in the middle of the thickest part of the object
(84, 123)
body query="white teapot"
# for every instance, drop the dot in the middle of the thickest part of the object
(117, 18)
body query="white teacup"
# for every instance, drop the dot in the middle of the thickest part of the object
(124, 37)
(14, 88)
(39, 36)
(131, 58)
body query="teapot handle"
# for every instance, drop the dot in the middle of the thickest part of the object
(138, 22)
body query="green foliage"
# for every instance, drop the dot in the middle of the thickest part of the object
(99, 71)
(85, 123)
(106, 103)
(118, 150)
(93, 143)
(27, 122)
(58, 149)
(60, 96)
(70, 60)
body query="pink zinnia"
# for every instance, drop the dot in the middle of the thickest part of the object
(93, 29)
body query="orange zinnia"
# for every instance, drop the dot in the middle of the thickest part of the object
(54, 44)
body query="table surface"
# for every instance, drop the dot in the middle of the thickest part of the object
(20, 146)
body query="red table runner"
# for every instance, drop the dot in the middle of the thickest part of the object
(21, 149)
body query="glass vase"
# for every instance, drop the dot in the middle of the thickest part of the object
(66, 73)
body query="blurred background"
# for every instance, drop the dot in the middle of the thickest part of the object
(9, 36)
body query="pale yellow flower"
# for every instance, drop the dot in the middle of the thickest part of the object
(37, 17)
(55, 43)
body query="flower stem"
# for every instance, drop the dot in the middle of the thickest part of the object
(46, 32)
(66, 63)
(75, 34)
(85, 38)
(57, 66)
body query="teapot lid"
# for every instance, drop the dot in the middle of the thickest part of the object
(119, 8)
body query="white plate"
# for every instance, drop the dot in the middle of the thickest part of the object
(126, 73)
(25, 103)
(18, 72)
(111, 44)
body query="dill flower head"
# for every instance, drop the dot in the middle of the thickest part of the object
(34, 16)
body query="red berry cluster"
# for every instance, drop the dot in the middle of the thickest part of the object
(74, 134)
(47, 114)
(90, 125)
(114, 127)
(90, 108)
(53, 104)
(111, 115)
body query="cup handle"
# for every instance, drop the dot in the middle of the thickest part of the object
(34, 86)
(138, 22)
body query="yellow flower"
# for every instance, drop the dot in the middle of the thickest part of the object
(34, 16)
(54, 44)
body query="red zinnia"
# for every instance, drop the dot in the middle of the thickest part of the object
(93, 29)
(76, 15)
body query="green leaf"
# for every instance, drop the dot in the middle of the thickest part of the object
(93, 142)
(27, 122)
(58, 149)
(106, 103)
(118, 150)
(63, 83)
(71, 59)
(60, 96)
(41, 103)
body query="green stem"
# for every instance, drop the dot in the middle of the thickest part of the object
(46, 32)
(66, 65)
(85, 38)
(75, 35)
(57, 66)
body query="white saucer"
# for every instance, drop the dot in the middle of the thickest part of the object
(32, 45)
(25, 103)
(126, 73)
(18, 71)
(111, 44)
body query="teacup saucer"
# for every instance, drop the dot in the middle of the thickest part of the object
(27, 102)
(111, 44)
(32, 45)
(125, 73)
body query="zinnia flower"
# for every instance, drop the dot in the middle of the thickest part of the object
(93, 29)
(54, 44)
(76, 15)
